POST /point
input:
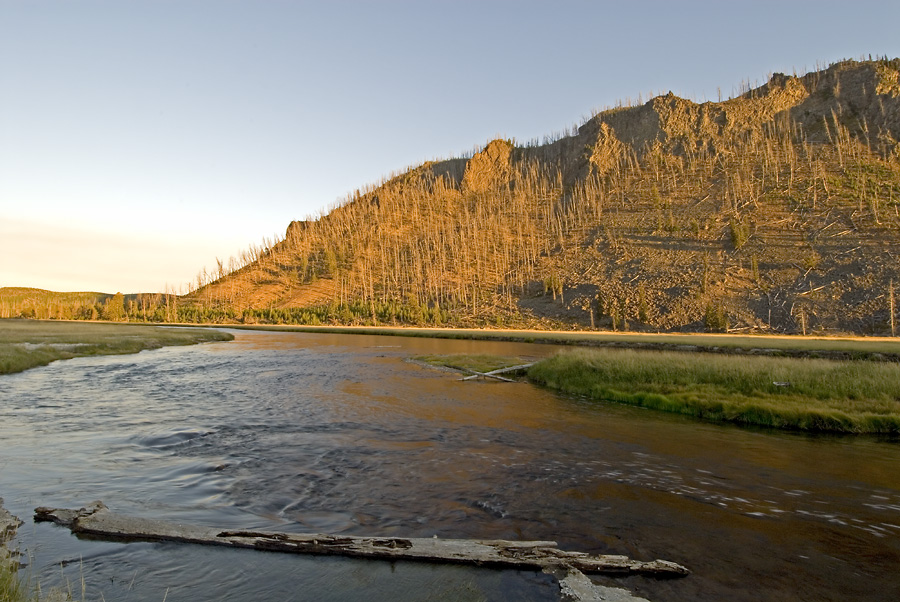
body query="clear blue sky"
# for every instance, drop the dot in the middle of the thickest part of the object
(140, 140)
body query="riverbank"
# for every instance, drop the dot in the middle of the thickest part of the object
(873, 348)
(27, 344)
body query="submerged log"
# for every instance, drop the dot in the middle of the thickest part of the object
(97, 521)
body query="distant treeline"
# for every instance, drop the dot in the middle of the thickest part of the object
(49, 305)
(162, 308)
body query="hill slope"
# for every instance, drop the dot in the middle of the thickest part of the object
(778, 209)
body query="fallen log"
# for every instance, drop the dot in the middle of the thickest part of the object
(495, 373)
(97, 521)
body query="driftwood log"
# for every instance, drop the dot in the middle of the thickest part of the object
(96, 520)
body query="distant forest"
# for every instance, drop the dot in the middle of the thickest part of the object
(48, 305)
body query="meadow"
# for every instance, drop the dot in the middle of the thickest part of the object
(808, 394)
(26, 344)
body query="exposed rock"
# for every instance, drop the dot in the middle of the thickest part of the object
(8, 524)
(488, 168)
(295, 229)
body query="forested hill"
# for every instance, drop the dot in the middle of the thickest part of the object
(775, 210)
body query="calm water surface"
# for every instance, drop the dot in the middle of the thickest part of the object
(338, 433)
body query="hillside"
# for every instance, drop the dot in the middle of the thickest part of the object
(778, 210)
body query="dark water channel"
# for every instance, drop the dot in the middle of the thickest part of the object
(337, 433)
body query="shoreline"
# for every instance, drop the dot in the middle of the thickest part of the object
(26, 344)
(836, 348)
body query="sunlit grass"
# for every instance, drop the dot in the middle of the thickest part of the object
(795, 393)
(26, 344)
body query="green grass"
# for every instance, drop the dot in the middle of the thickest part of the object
(468, 362)
(823, 395)
(26, 344)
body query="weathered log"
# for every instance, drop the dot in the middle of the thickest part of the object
(495, 373)
(97, 521)
(574, 586)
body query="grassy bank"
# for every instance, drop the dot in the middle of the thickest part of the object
(29, 343)
(805, 394)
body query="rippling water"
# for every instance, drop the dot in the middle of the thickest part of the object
(337, 433)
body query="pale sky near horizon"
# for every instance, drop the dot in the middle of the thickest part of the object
(140, 140)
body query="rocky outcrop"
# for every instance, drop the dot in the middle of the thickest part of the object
(488, 168)
(8, 525)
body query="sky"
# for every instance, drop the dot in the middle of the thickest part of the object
(141, 140)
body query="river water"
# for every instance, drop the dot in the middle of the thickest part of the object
(340, 434)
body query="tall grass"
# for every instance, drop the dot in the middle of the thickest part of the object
(805, 394)
(17, 588)
(11, 589)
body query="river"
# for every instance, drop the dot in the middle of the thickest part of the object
(341, 434)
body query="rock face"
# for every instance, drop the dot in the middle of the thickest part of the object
(488, 168)
(866, 96)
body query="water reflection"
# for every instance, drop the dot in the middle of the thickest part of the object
(338, 433)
